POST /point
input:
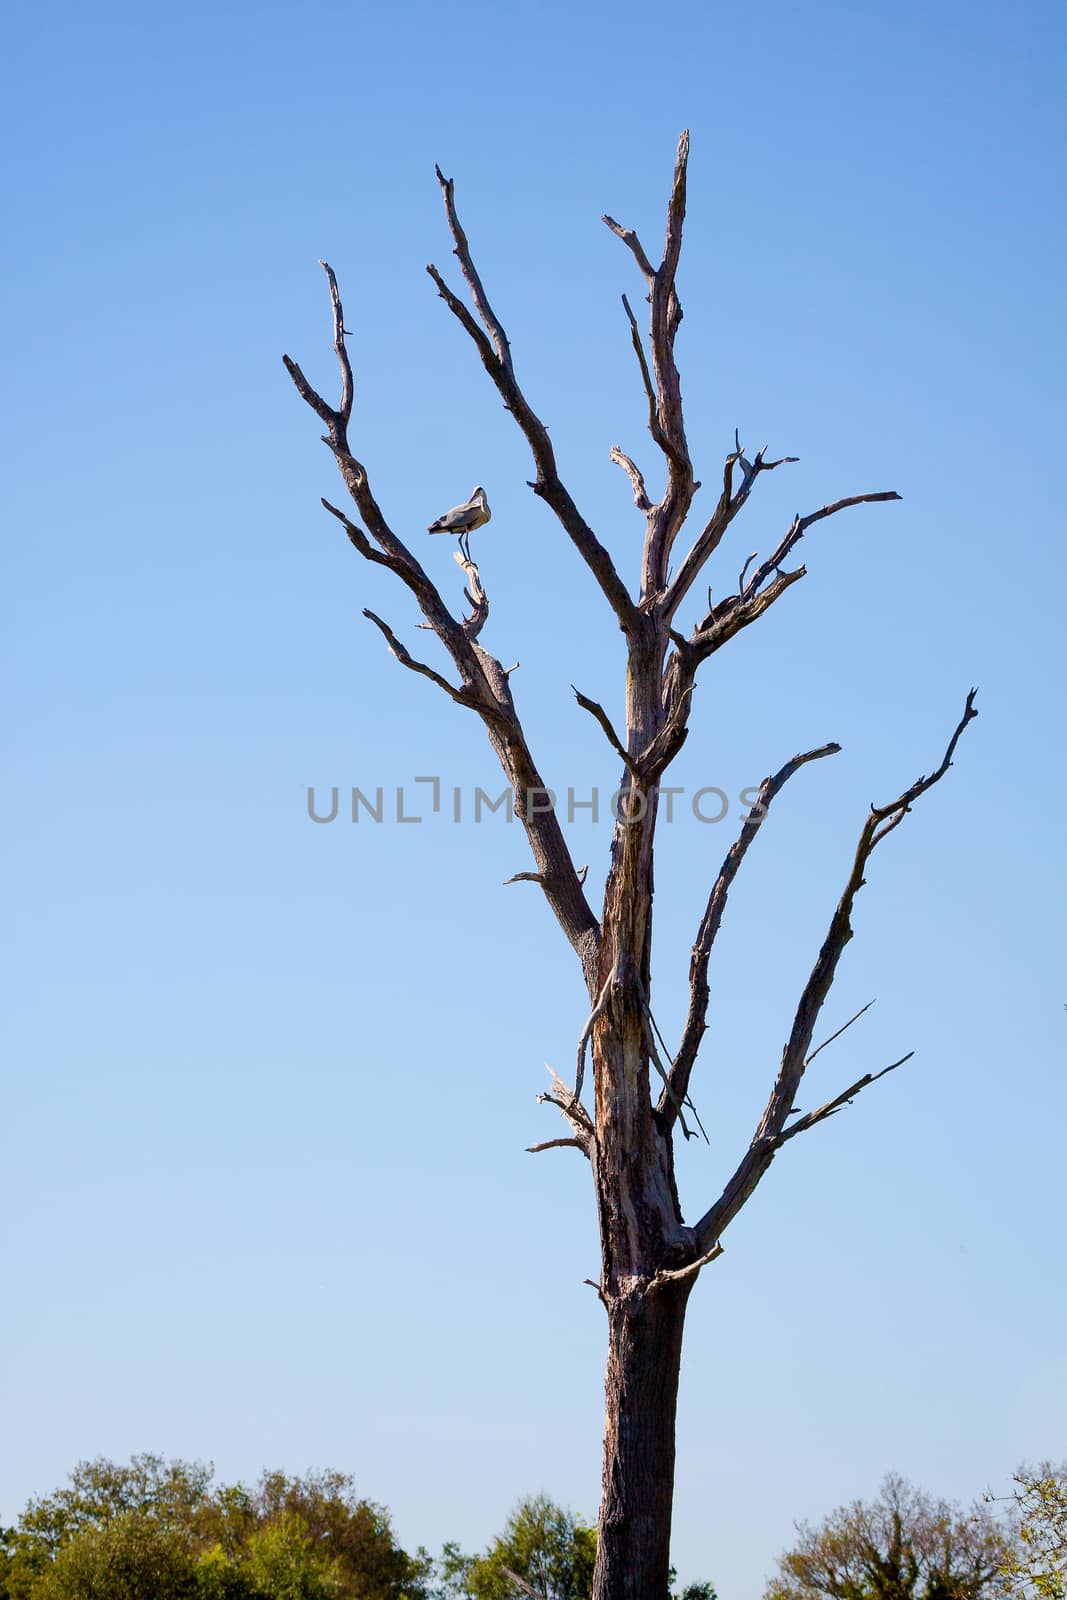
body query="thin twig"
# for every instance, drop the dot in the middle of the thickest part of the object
(839, 1032)
(597, 1011)
(665, 1077)
(688, 1102)
(744, 571)
(654, 427)
(839, 1100)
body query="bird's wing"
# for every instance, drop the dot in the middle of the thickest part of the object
(457, 519)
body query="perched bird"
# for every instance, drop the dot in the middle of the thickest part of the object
(473, 513)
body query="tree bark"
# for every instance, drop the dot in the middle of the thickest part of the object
(641, 1395)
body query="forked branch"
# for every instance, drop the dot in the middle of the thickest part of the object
(799, 528)
(696, 1020)
(769, 1133)
(729, 504)
(484, 685)
(728, 617)
(845, 1098)
(493, 347)
(756, 594)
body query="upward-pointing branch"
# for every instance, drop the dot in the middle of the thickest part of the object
(666, 423)
(729, 504)
(493, 347)
(696, 1020)
(770, 1133)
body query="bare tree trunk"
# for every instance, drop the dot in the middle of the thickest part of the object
(650, 1259)
(641, 1396)
(647, 1256)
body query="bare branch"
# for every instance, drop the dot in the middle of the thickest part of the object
(476, 596)
(357, 537)
(597, 1011)
(558, 1144)
(567, 1102)
(899, 807)
(666, 314)
(527, 1588)
(654, 426)
(662, 384)
(688, 1103)
(679, 1274)
(308, 393)
(756, 595)
(637, 482)
(495, 352)
(634, 245)
(463, 316)
(484, 683)
(597, 711)
(735, 613)
(843, 1028)
(672, 244)
(460, 696)
(800, 526)
(699, 992)
(726, 510)
(783, 1095)
(525, 877)
(340, 350)
(665, 1077)
(844, 1098)
(470, 274)
(723, 621)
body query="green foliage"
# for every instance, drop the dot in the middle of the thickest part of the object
(903, 1546)
(131, 1556)
(371, 1566)
(155, 1530)
(548, 1548)
(283, 1561)
(159, 1495)
(1037, 1565)
(219, 1577)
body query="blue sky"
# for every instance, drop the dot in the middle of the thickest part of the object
(269, 1084)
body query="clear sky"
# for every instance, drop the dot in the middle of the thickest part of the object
(267, 1083)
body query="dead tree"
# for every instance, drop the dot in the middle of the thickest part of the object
(650, 1256)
